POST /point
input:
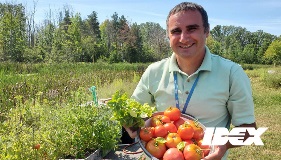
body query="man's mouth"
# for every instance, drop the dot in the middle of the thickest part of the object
(186, 46)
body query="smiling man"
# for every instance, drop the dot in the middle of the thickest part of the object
(214, 90)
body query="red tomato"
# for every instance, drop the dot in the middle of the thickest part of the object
(205, 148)
(172, 140)
(160, 131)
(156, 148)
(36, 146)
(198, 131)
(170, 127)
(164, 119)
(193, 152)
(179, 122)
(173, 113)
(173, 154)
(147, 133)
(185, 131)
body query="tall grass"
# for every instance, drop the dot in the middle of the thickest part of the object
(58, 81)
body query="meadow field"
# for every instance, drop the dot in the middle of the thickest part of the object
(32, 92)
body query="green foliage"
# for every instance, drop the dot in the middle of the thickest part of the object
(62, 130)
(12, 32)
(273, 53)
(73, 39)
(128, 111)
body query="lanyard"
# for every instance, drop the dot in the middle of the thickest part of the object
(177, 94)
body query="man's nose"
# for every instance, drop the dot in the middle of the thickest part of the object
(184, 37)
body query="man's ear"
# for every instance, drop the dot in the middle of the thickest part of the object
(207, 33)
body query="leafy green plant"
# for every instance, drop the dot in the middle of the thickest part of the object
(129, 112)
(66, 130)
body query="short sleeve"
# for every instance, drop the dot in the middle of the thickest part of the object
(141, 92)
(240, 104)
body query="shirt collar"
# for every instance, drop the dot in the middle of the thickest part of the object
(205, 66)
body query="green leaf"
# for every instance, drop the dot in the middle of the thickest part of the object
(160, 140)
(128, 112)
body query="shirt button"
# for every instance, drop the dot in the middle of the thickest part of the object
(186, 92)
(188, 80)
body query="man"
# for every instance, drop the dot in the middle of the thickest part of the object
(214, 90)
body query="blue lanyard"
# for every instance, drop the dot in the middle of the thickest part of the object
(177, 94)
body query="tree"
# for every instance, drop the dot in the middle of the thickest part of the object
(91, 38)
(12, 32)
(214, 46)
(262, 41)
(91, 26)
(155, 41)
(273, 53)
(248, 55)
(72, 45)
(135, 53)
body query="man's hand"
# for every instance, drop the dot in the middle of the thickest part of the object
(132, 134)
(218, 154)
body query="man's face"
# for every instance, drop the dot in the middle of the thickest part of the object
(186, 34)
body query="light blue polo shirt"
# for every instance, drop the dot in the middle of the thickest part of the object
(223, 93)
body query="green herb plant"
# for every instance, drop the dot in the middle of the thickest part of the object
(128, 112)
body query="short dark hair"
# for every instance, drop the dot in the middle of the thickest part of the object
(185, 6)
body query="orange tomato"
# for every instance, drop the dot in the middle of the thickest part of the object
(173, 113)
(193, 152)
(156, 148)
(185, 131)
(172, 140)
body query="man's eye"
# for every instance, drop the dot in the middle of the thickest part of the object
(191, 29)
(175, 31)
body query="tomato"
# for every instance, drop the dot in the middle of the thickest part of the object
(159, 120)
(156, 148)
(179, 122)
(198, 131)
(36, 146)
(172, 140)
(185, 131)
(147, 133)
(160, 131)
(173, 154)
(171, 128)
(165, 119)
(193, 152)
(188, 141)
(155, 121)
(173, 113)
(205, 148)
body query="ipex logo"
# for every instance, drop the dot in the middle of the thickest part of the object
(220, 136)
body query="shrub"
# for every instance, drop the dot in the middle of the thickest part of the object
(272, 78)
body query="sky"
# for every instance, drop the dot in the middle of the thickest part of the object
(250, 14)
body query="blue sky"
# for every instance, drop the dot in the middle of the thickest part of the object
(252, 14)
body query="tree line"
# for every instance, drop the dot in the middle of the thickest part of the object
(69, 38)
